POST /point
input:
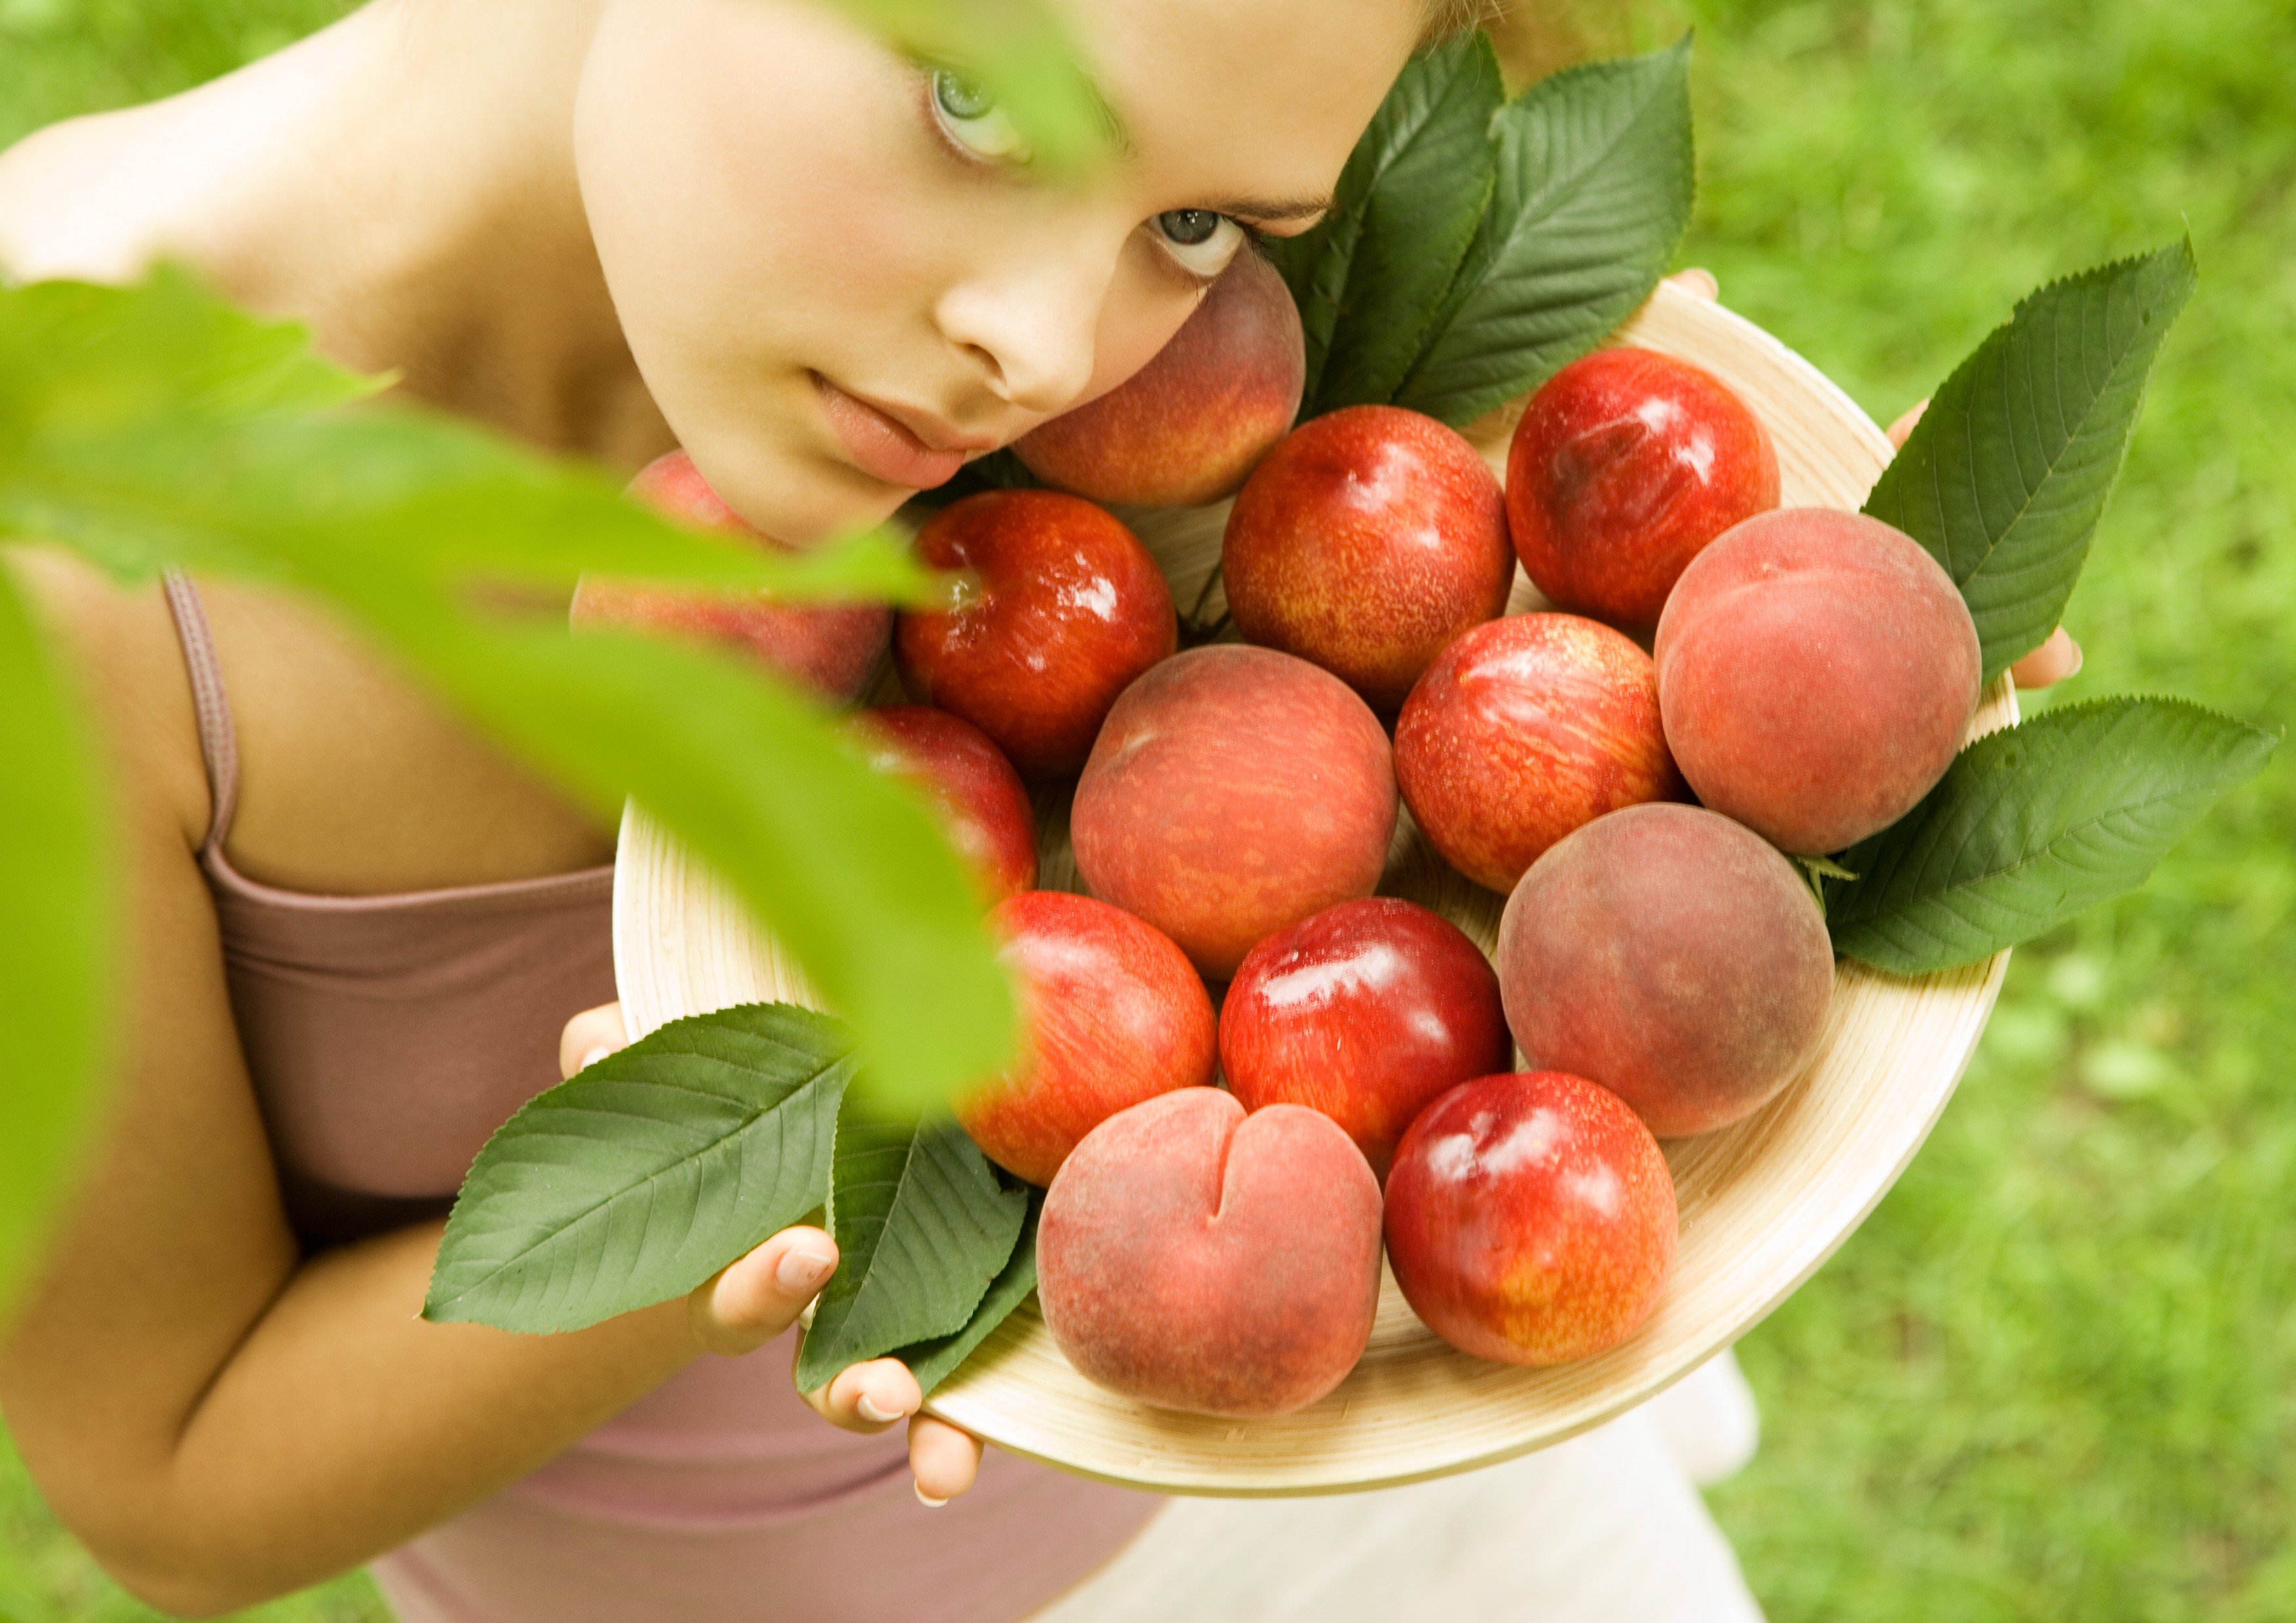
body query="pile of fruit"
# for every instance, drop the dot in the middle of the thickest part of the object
(1662, 966)
(1732, 751)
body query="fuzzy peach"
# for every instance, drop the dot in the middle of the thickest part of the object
(1672, 955)
(831, 648)
(1233, 792)
(1187, 427)
(1816, 672)
(1196, 1258)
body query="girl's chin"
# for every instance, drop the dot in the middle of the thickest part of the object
(825, 501)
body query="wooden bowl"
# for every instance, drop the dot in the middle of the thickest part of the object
(1763, 1202)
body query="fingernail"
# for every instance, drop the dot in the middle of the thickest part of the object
(593, 1057)
(927, 1500)
(868, 1410)
(801, 1269)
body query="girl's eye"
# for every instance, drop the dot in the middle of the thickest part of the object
(1203, 242)
(971, 117)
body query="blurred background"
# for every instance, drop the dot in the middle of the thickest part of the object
(2054, 1374)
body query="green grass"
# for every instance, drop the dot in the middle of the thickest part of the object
(2053, 1376)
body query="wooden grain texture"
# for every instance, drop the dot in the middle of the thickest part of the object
(1763, 1202)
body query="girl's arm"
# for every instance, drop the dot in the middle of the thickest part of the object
(218, 1421)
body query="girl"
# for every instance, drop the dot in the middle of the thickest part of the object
(357, 931)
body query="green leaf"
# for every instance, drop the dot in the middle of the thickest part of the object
(1595, 181)
(78, 357)
(923, 1225)
(935, 1361)
(389, 514)
(647, 1173)
(1370, 275)
(1019, 52)
(17, 1603)
(156, 424)
(849, 868)
(2033, 825)
(2006, 476)
(56, 947)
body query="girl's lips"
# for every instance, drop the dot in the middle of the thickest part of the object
(881, 446)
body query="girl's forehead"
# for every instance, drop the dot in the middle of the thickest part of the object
(1233, 101)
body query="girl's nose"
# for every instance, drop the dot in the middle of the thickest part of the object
(1031, 325)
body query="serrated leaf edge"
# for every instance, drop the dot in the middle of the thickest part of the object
(809, 1361)
(439, 1308)
(2103, 276)
(1447, 312)
(2218, 784)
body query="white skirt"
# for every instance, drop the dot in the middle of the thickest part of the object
(1607, 1528)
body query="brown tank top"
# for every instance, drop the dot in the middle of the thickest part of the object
(388, 1035)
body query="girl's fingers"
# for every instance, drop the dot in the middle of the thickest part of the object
(1902, 428)
(590, 1036)
(868, 1397)
(1699, 283)
(2052, 662)
(943, 1459)
(753, 1298)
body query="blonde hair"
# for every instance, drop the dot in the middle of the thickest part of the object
(1449, 19)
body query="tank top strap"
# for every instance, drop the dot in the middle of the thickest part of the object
(218, 745)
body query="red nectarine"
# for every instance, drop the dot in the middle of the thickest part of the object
(1063, 608)
(1366, 541)
(1111, 1014)
(1530, 1219)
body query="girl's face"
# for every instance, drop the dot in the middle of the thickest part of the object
(838, 279)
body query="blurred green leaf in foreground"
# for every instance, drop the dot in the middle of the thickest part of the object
(1019, 53)
(155, 426)
(56, 947)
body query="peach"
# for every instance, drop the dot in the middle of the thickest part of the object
(831, 647)
(1231, 792)
(1196, 1258)
(1523, 730)
(981, 800)
(1672, 955)
(1816, 672)
(1187, 427)
(1112, 1014)
(1626, 464)
(1530, 1219)
(1369, 539)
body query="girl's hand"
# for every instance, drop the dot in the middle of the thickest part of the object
(2054, 660)
(758, 1295)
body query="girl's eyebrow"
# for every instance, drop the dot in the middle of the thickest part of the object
(1248, 209)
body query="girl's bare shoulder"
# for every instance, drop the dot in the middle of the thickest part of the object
(353, 778)
(80, 200)
(116, 642)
